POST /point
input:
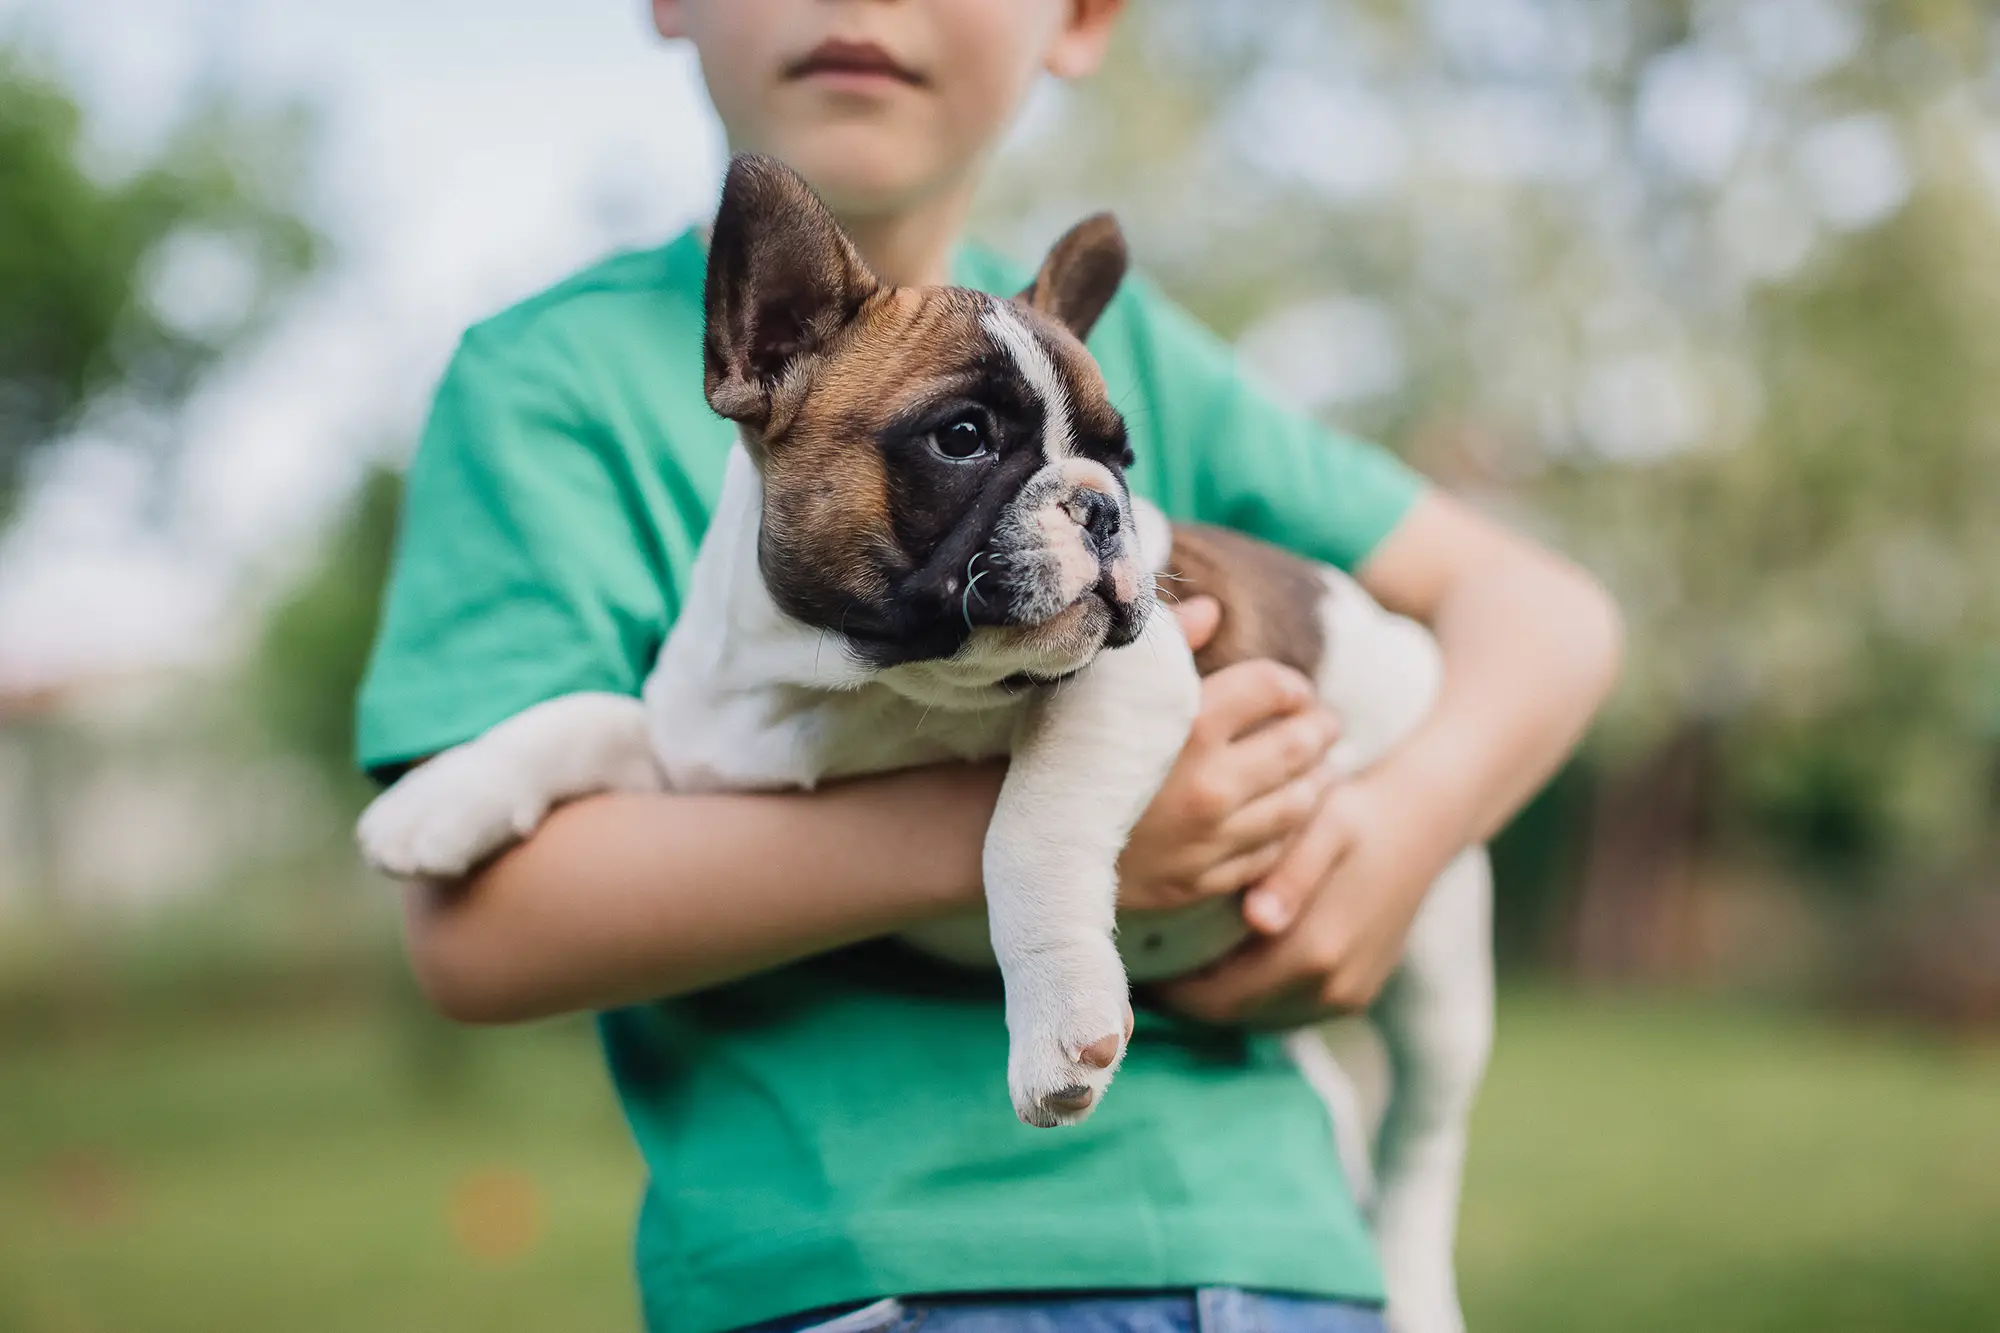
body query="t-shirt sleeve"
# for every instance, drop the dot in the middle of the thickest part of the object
(521, 569)
(1227, 452)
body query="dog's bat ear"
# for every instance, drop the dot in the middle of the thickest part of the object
(1081, 274)
(782, 281)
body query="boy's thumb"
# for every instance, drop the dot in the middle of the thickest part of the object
(1200, 617)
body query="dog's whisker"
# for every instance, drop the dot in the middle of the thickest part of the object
(971, 584)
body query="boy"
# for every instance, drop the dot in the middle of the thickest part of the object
(821, 1117)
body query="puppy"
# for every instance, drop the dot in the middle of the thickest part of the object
(925, 550)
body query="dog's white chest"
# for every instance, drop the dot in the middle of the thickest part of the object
(789, 737)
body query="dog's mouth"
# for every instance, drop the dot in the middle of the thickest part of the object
(839, 61)
(1064, 594)
(1096, 619)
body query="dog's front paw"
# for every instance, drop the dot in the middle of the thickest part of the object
(441, 820)
(1068, 1019)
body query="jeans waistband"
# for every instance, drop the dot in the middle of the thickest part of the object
(1202, 1310)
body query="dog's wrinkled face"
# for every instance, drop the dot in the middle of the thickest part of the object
(943, 470)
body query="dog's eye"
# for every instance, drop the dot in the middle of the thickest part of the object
(959, 442)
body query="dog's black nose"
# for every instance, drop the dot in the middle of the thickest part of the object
(1099, 518)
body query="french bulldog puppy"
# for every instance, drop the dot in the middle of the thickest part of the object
(925, 550)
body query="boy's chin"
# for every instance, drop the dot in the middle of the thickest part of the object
(864, 169)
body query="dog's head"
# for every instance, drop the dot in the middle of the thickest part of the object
(943, 470)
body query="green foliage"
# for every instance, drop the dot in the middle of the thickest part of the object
(125, 286)
(1762, 412)
(1835, 573)
(316, 641)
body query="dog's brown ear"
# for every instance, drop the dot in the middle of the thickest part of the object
(1081, 274)
(782, 281)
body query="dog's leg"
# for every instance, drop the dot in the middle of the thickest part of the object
(1436, 1020)
(1089, 756)
(446, 816)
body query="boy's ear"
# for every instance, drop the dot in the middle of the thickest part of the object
(1081, 274)
(1080, 46)
(783, 280)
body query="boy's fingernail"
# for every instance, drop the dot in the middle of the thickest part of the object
(1264, 910)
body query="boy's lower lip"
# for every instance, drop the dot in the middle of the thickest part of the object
(869, 81)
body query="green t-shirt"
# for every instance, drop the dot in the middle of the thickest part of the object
(840, 1129)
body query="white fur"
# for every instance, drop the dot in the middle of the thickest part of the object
(471, 801)
(1086, 760)
(1012, 332)
(743, 697)
(1381, 675)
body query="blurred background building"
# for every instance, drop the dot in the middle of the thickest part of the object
(1704, 292)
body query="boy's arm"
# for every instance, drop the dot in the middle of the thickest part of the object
(1531, 648)
(1531, 644)
(623, 898)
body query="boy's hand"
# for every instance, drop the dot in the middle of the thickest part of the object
(1334, 913)
(1248, 780)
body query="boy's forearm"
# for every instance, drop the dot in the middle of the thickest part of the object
(1528, 661)
(1531, 646)
(624, 898)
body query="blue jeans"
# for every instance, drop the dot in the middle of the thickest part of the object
(1209, 1310)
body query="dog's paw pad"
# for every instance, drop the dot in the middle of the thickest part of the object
(1102, 1053)
(1073, 1100)
(1065, 1106)
(1067, 1031)
(1066, 1083)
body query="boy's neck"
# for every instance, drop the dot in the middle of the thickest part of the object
(912, 247)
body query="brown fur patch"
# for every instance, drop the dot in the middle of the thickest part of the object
(1270, 598)
(826, 479)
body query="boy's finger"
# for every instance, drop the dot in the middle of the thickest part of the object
(1275, 816)
(1279, 753)
(1199, 617)
(1255, 972)
(1242, 697)
(1241, 871)
(1273, 905)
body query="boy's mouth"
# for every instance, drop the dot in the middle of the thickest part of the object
(853, 63)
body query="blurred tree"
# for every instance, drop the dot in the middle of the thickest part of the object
(316, 642)
(1701, 290)
(120, 284)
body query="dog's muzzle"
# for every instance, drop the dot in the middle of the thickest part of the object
(1067, 555)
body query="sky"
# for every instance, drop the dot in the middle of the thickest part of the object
(469, 154)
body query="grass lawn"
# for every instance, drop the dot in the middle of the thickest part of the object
(1637, 1165)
